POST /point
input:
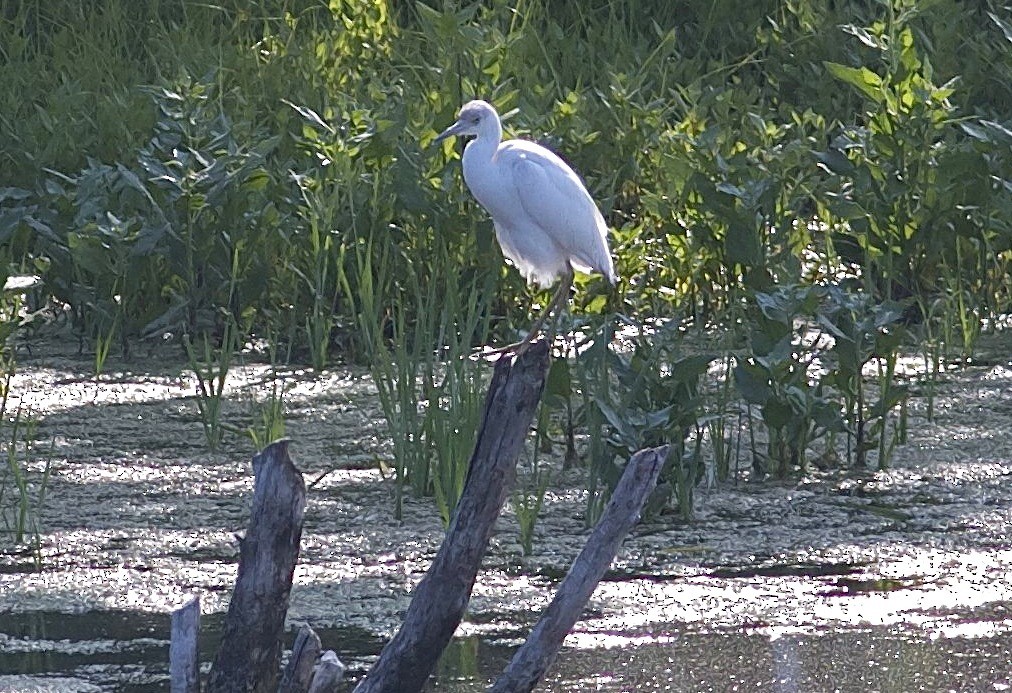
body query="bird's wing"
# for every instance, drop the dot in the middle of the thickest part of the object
(558, 204)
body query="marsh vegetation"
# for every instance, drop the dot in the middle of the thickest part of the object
(810, 207)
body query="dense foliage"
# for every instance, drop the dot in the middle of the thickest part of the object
(172, 166)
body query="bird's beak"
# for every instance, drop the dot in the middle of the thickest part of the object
(449, 132)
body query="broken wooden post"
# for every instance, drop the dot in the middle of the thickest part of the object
(441, 597)
(620, 515)
(329, 673)
(250, 653)
(298, 672)
(184, 656)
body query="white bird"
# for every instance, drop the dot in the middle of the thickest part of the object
(545, 220)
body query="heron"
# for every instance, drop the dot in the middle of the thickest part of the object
(546, 222)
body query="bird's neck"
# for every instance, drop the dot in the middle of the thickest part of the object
(480, 172)
(483, 147)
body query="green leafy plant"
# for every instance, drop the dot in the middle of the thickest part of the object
(455, 401)
(270, 425)
(591, 377)
(320, 258)
(722, 429)
(112, 289)
(22, 491)
(909, 192)
(778, 375)
(806, 370)
(206, 179)
(864, 330)
(157, 244)
(656, 400)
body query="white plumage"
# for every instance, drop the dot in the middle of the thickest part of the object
(545, 220)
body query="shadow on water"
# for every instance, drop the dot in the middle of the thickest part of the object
(118, 650)
(128, 651)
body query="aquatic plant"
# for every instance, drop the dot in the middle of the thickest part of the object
(650, 396)
(269, 414)
(22, 485)
(210, 361)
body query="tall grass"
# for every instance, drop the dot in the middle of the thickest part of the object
(22, 486)
(430, 387)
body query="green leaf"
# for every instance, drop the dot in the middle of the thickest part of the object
(893, 395)
(864, 36)
(621, 426)
(1005, 27)
(863, 79)
(743, 245)
(888, 312)
(131, 180)
(975, 131)
(1002, 132)
(310, 116)
(148, 238)
(835, 161)
(752, 383)
(776, 357)
(732, 190)
(827, 415)
(42, 229)
(689, 369)
(657, 419)
(774, 306)
(559, 382)
(777, 414)
(257, 180)
(596, 305)
(20, 193)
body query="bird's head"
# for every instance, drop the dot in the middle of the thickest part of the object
(474, 118)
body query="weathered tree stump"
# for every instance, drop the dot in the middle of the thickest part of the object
(329, 673)
(250, 653)
(441, 597)
(298, 672)
(309, 672)
(622, 513)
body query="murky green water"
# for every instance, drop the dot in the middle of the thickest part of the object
(842, 581)
(117, 650)
(126, 651)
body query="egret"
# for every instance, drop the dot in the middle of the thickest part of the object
(545, 220)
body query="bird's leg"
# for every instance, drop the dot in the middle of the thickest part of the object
(558, 300)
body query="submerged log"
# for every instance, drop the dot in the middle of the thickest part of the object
(621, 514)
(441, 597)
(184, 656)
(250, 653)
